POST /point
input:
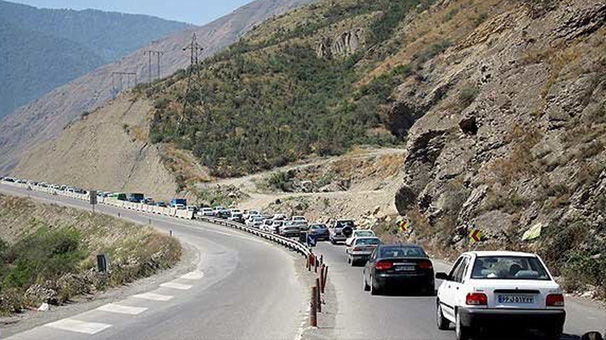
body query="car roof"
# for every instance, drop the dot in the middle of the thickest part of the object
(500, 253)
(401, 245)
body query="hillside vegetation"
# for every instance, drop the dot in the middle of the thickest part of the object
(48, 253)
(285, 90)
(500, 105)
(45, 48)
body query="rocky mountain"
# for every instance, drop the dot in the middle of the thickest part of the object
(45, 118)
(499, 104)
(46, 48)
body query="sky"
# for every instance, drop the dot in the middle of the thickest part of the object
(198, 12)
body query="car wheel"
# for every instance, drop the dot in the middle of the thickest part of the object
(443, 323)
(364, 283)
(332, 242)
(374, 290)
(462, 332)
(348, 259)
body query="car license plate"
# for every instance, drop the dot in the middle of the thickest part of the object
(406, 268)
(515, 299)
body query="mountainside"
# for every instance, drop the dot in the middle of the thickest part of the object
(46, 48)
(499, 104)
(46, 117)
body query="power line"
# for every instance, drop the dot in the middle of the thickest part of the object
(150, 54)
(118, 86)
(194, 50)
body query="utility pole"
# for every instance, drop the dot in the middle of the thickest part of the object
(116, 89)
(150, 54)
(194, 56)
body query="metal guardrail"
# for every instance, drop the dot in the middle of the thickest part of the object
(281, 240)
(284, 241)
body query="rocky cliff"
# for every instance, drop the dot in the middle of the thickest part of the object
(506, 129)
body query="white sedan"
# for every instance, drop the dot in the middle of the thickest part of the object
(358, 233)
(507, 291)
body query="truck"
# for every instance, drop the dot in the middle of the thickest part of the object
(175, 201)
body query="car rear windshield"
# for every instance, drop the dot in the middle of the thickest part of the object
(362, 233)
(401, 251)
(367, 241)
(509, 267)
(318, 227)
(343, 224)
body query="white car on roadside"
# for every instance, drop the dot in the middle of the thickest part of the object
(206, 212)
(507, 291)
(358, 233)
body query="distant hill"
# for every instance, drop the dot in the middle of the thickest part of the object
(45, 118)
(46, 48)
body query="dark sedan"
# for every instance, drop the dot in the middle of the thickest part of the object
(319, 231)
(399, 266)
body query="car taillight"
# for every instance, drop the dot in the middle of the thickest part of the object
(383, 265)
(425, 265)
(555, 300)
(357, 249)
(476, 299)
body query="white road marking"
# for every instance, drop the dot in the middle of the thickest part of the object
(153, 296)
(115, 308)
(79, 326)
(195, 275)
(175, 285)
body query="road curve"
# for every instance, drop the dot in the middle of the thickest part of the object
(362, 316)
(243, 288)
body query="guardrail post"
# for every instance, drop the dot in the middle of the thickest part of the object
(318, 295)
(313, 313)
(321, 259)
(325, 276)
(315, 265)
(322, 278)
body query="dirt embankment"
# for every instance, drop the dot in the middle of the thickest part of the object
(105, 150)
(48, 253)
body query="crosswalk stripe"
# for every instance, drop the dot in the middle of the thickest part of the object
(153, 296)
(195, 275)
(78, 326)
(175, 285)
(115, 308)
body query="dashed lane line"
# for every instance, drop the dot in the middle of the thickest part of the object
(175, 285)
(121, 309)
(195, 275)
(77, 326)
(153, 297)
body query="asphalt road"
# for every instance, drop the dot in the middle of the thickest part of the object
(243, 288)
(402, 316)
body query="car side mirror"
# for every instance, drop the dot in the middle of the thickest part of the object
(442, 276)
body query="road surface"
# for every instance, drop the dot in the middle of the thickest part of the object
(243, 288)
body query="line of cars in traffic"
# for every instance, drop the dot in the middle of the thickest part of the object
(483, 290)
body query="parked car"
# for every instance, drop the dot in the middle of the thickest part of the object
(206, 212)
(289, 229)
(218, 208)
(398, 266)
(224, 214)
(298, 218)
(179, 206)
(161, 204)
(148, 201)
(136, 197)
(257, 222)
(485, 289)
(320, 231)
(359, 233)
(236, 217)
(248, 213)
(360, 249)
(341, 230)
